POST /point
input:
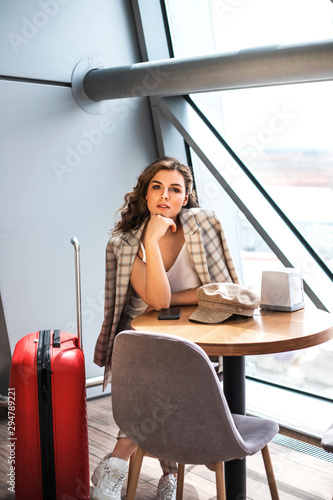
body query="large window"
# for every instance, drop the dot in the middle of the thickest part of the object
(283, 136)
(201, 26)
(239, 24)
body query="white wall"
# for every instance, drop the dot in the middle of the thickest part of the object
(63, 171)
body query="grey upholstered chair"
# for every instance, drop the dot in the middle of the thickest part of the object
(167, 398)
(327, 441)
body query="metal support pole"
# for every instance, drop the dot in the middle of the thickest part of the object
(234, 383)
(273, 65)
(234, 390)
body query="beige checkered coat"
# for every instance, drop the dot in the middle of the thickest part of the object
(211, 257)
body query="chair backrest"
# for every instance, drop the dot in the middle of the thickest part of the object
(167, 398)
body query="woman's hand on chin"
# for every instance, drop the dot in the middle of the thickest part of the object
(158, 226)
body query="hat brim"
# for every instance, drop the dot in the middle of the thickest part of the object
(203, 315)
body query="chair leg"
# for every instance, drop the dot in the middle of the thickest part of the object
(130, 469)
(220, 485)
(180, 481)
(270, 473)
(134, 473)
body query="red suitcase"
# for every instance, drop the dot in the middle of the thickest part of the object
(50, 440)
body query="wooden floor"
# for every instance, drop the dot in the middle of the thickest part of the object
(299, 475)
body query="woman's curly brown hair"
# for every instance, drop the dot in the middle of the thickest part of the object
(134, 211)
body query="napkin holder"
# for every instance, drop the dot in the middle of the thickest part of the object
(282, 290)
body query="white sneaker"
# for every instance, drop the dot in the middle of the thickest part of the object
(111, 472)
(167, 488)
(98, 471)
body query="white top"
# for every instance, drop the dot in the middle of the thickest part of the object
(181, 275)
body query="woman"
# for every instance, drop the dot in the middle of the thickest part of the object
(162, 249)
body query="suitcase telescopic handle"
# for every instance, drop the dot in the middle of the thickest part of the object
(76, 245)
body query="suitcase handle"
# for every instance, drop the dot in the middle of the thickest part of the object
(56, 338)
(76, 245)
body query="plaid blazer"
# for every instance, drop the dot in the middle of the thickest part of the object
(211, 257)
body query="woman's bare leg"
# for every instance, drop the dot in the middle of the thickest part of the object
(124, 448)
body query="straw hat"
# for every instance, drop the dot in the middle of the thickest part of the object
(219, 301)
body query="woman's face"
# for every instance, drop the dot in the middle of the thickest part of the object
(166, 193)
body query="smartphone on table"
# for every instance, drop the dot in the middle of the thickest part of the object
(171, 313)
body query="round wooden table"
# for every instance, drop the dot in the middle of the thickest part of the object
(267, 332)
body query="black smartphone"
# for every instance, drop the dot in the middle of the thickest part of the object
(171, 313)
